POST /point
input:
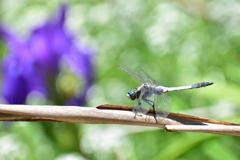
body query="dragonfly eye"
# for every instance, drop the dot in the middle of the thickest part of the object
(132, 94)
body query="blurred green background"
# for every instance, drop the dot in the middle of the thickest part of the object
(176, 42)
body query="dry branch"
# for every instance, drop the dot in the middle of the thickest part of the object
(115, 114)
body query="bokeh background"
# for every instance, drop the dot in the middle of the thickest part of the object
(176, 42)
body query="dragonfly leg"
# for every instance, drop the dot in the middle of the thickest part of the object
(155, 114)
(148, 101)
(151, 103)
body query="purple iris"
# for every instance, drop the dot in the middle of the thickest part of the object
(35, 64)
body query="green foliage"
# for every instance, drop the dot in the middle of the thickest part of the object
(174, 44)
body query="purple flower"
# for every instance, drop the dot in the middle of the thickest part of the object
(35, 64)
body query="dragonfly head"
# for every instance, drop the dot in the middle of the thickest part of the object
(132, 94)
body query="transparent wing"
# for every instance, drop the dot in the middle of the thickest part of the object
(152, 80)
(140, 107)
(143, 104)
(136, 75)
(163, 105)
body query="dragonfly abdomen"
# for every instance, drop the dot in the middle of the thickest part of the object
(203, 84)
(198, 85)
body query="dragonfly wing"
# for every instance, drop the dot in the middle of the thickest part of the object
(147, 103)
(152, 80)
(162, 104)
(134, 74)
(140, 107)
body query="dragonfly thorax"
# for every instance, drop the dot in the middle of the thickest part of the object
(148, 91)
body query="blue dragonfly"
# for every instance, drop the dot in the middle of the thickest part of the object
(151, 94)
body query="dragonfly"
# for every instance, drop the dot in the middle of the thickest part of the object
(151, 94)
